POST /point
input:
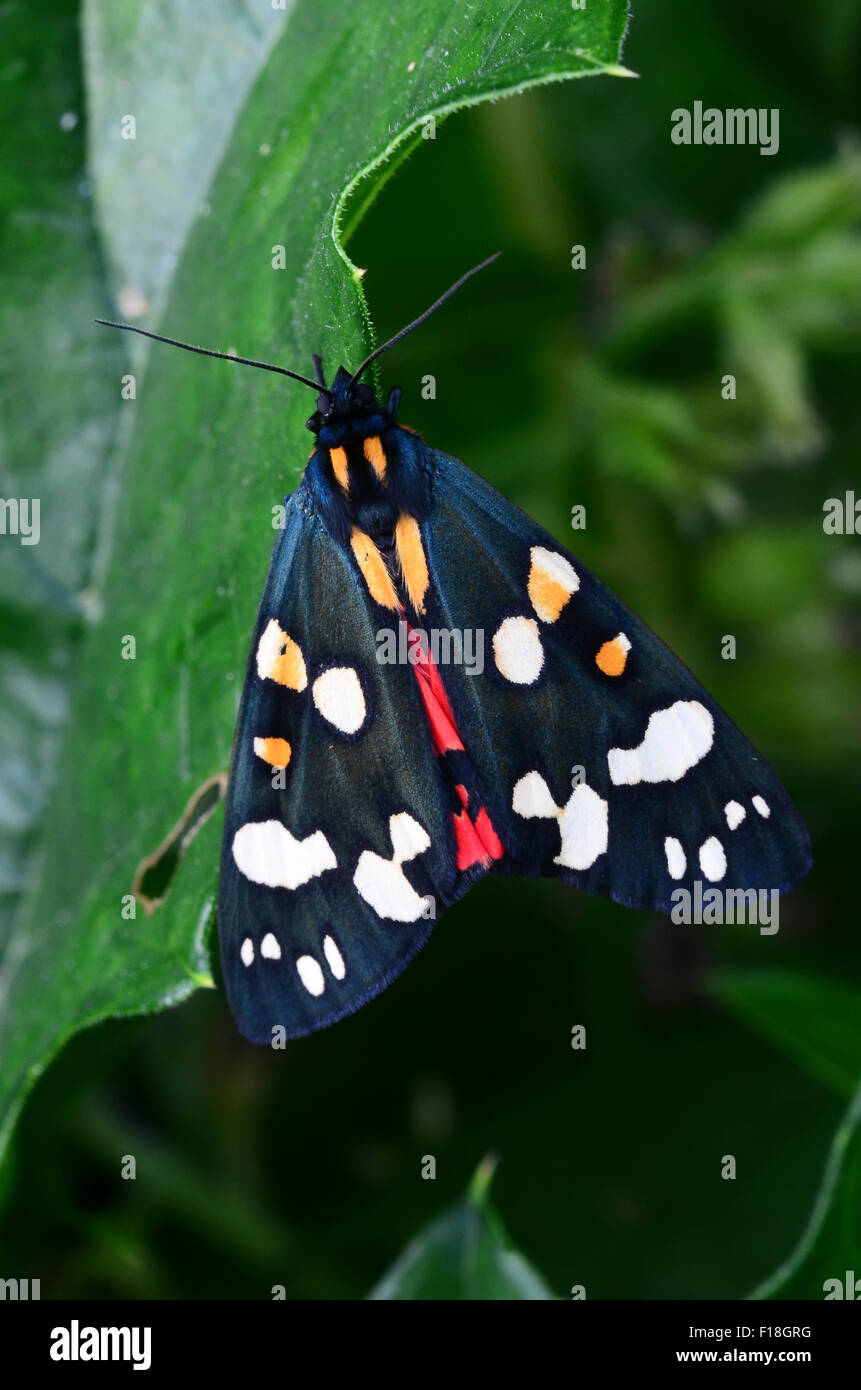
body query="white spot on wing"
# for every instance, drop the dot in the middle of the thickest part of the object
(382, 882)
(386, 888)
(734, 813)
(584, 829)
(265, 852)
(269, 947)
(517, 650)
(408, 837)
(339, 698)
(676, 739)
(246, 951)
(676, 861)
(531, 797)
(761, 806)
(334, 958)
(712, 859)
(311, 975)
(582, 821)
(269, 648)
(556, 565)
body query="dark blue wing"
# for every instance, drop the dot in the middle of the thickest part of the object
(597, 755)
(330, 877)
(603, 761)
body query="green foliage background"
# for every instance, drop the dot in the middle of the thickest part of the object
(599, 387)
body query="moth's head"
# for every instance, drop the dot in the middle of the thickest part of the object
(346, 404)
(345, 400)
(350, 407)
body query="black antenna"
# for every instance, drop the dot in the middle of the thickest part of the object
(208, 352)
(426, 315)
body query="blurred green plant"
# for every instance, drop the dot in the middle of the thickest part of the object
(784, 284)
(465, 1255)
(815, 1021)
(824, 1263)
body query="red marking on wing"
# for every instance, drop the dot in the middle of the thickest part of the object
(443, 728)
(477, 841)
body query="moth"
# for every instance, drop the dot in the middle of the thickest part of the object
(368, 792)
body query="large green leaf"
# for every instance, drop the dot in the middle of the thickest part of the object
(183, 71)
(815, 1021)
(465, 1255)
(58, 405)
(346, 92)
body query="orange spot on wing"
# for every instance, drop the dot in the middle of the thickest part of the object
(275, 751)
(280, 659)
(411, 556)
(375, 455)
(338, 456)
(289, 668)
(552, 581)
(373, 568)
(547, 595)
(613, 655)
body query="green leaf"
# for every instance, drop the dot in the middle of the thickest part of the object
(58, 406)
(466, 1254)
(345, 93)
(827, 1259)
(186, 70)
(815, 1021)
